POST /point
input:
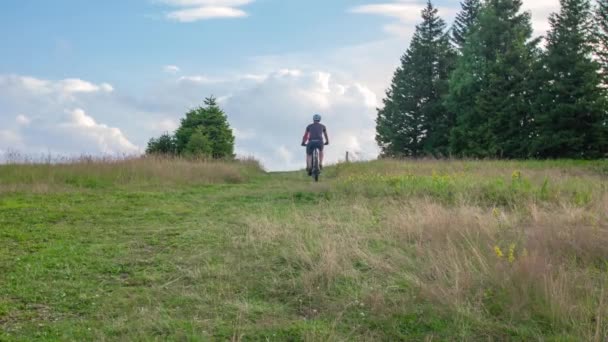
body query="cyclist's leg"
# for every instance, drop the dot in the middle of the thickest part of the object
(321, 156)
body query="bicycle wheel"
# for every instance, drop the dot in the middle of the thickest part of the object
(315, 164)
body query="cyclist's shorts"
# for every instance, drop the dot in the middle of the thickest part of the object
(312, 145)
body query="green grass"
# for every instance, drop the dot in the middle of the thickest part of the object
(376, 251)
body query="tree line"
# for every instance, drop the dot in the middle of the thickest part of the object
(486, 88)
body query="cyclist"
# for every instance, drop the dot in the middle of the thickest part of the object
(314, 136)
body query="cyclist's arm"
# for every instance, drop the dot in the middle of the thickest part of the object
(305, 137)
(326, 137)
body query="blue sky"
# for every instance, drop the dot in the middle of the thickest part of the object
(102, 77)
(113, 37)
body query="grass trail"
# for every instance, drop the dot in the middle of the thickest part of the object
(376, 251)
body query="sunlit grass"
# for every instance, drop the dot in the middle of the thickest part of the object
(386, 250)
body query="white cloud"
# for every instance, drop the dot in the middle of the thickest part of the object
(92, 136)
(63, 89)
(202, 13)
(171, 69)
(47, 129)
(105, 87)
(29, 83)
(230, 79)
(164, 125)
(246, 134)
(409, 11)
(284, 154)
(253, 77)
(406, 12)
(22, 120)
(195, 10)
(197, 79)
(541, 9)
(75, 85)
(267, 109)
(10, 139)
(271, 116)
(193, 3)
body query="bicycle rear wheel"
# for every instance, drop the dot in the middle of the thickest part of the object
(315, 165)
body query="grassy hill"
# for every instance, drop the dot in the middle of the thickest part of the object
(152, 249)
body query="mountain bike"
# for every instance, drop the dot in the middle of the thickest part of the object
(316, 165)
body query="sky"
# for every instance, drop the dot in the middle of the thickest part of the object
(103, 77)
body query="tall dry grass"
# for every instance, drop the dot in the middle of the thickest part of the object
(98, 173)
(538, 272)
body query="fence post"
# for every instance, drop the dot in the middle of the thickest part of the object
(347, 157)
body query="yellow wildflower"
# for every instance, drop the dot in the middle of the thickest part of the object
(516, 175)
(498, 252)
(496, 212)
(512, 253)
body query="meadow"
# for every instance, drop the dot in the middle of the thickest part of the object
(171, 249)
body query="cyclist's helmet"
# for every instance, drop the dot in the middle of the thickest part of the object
(316, 118)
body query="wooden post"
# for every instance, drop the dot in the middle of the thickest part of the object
(347, 157)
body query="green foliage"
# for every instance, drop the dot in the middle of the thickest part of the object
(165, 145)
(414, 121)
(570, 110)
(489, 90)
(204, 132)
(198, 144)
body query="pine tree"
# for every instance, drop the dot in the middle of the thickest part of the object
(571, 114)
(436, 62)
(414, 121)
(464, 21)
(489, 90)
(399, 130)
(602, 36)
(217, 129)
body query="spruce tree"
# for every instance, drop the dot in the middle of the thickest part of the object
(571, 116)
(602, 36)
(489, 90)
(399, 129)
(414, 121)
(217, 129)
(436, 62)
(464, 21)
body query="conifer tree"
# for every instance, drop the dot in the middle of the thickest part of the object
(414, 120)
(571, 114)
(464, 21)
(489, 90)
